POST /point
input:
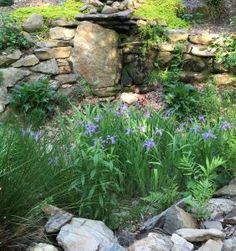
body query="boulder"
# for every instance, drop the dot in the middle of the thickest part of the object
(199, 235)
(177, 35)
(29, 60)
(212, 245)
(219, 207)
(96, 56)
(11, 76)
(96, 3)
(129, 98)
(230, 218)
(57, 221)
(164, 58)
(177, 218)
(61, 33)
(230, 244)
(90, 235)
(42, 247)
(204, 38)
(7, 59)
(62, 22)
(61, 52)
(33, 23)
(180, 244)
(47, 67)
(153, 242)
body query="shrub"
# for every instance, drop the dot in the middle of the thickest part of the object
(10, 34)
(6, 2)
(36, 98)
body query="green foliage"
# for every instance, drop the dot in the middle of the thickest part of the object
(163, 11)
(6, 2)
(29, 96)
(151, 35)
(10, 34)
(69, 10)
(225, 48)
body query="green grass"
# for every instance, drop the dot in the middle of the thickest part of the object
(162, 10)
(69, 10)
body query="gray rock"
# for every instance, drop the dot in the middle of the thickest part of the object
(212, 224)
(3, 98)
(67, 78)
(47, 67)
(218, 207)
(44, 53)
(180, 244)
(229, 190)
(33, 23)
(96, 56)
(177, 218)
(122, 15)
(108, 10)
(212, 245)
(230, 218)
(96, 3)
(29, 60)
(90, 235)
(61, 33)
(199, 235)
(7, 59)
(204, 38)
(11, 76)
(42, 247)
(56, 222)
(153, 242)
(202, 51)
(61, 22)
(53, 43)
(34, 77)
(230, 244)
(176, 35)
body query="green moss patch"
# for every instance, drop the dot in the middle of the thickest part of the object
(69, 10)
(163, 10)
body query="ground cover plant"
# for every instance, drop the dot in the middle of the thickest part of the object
(68, 10)
(163, 11)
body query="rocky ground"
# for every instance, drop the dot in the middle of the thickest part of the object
(172, 230)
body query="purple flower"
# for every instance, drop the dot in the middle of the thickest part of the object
(196, 129)
(147, 114)
(208, 135)
(181, 127)
(25, 131)
(226, 126)
(111, 139)
(159, 131)
(128, 131)
(202, 118)
(36, 135)
(53, 161)
(121, 110)
(90, 129)
(97, 118)
(149, 144)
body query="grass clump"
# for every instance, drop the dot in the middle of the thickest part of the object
(164, 11)
(69, 10)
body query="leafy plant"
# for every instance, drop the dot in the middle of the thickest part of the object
(10, 34)
(6, 2)
(225, 48)
(37, 97)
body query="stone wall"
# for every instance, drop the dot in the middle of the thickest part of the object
(87, 51)
(198, 59)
